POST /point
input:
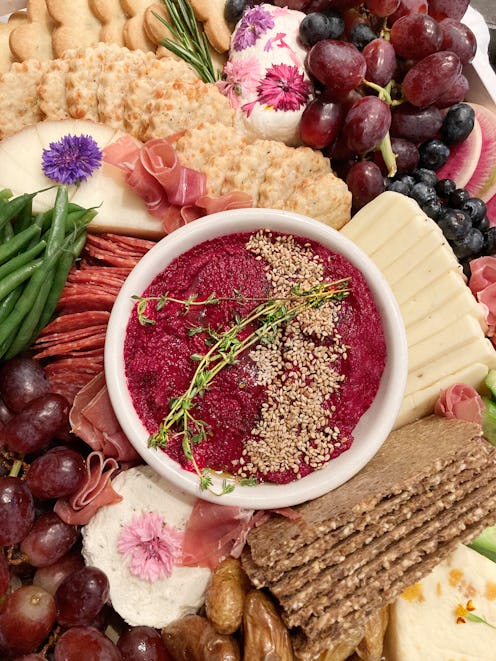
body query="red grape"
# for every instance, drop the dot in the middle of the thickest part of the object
(454, 94)
(337, 64)
(58, 472)
(415, 124)
(22, 380)
(37, 424)
(382, 7)
(30, 657)
(407, 7)
(366, 124)
(16, 510)
(48, 540)
(365, 181)
(320, 123)
(4, 574)
(459, 38)
(142, 644)
(407, 156)
(81, 596)
(380, 57)
(415, 36)
(26, 618)
(431, 77)
(52, 576)
(448, 8)
(82, 643)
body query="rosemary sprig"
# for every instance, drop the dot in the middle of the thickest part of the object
(189, 43)
(225, 347)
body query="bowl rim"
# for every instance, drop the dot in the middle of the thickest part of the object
(386, 404)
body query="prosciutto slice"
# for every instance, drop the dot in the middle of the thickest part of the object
(95, 492)
(93, 419)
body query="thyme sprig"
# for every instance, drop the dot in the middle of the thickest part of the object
(189, 43)
(225, 347)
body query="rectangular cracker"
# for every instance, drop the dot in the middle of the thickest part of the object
(19, 102)
(83, 80)
(51, 90)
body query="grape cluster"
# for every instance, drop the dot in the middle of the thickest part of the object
(51, 604)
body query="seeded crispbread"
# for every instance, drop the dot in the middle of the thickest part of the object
(112, 19)
(19, 103)
(51, 90)
(151, 80)
(32, 39)
(16, 19)
(181, 105)
(76, 25)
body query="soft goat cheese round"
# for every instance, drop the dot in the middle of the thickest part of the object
(139, 601)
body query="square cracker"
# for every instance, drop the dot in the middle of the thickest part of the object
(51, 90)
(151, 79)
(180, 106)
(19, 104)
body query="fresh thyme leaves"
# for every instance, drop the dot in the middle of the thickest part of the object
(189, 43)
(268, 316)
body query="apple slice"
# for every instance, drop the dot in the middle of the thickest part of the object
(463, 158)
(482, 183)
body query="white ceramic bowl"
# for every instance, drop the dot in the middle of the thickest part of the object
(373, 427)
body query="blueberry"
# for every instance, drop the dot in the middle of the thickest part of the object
(422, 193)
(458, 123)
(233, 10)
(445, 187)
(336, 22)
(433, 209)
(483, 225)
(470, 245)
(315, 27)
(433, 154)
(458, 197)
(429, 177)
(399, 186)
(455, 224)
(408, 180)
(476, 209)
(489, 247)
(361, 34)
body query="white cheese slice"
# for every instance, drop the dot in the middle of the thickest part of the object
(423, 621)
(139, 601)
(445, 326)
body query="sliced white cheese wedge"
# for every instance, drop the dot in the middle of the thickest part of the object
(423, 621)
(139, 601)
(445, 325)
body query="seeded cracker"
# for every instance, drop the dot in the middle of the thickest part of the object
(150, 81)
(51, 90)
(33, 38)
(19, 106)
(181, 106)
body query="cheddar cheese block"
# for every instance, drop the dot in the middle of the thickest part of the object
(445, 325)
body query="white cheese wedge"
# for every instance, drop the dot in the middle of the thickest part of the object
(120, 209)
(139, 601)
(445, 325)
(423, 621)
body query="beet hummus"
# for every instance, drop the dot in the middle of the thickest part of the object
(288, 403)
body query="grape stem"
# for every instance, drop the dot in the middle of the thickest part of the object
(16, 468)
(388, 155)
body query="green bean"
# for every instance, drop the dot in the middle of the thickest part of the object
(25, 217)
(5, 194)
(17, 262)
(13, 207)
(6, 233)
(17, 242)
(7, 304)
(61, 272)
(57, 229)
(20, 275)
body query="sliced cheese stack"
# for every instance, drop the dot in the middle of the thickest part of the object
(429, 488)
(445, 325)
(424, 618)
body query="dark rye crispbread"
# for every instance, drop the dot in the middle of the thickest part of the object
(430, 487)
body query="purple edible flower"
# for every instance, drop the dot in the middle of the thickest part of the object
(254, 23)
(283, 88)
(71, 159)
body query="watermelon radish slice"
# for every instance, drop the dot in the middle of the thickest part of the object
(463, 159)
(482, 183)
(491, 210)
